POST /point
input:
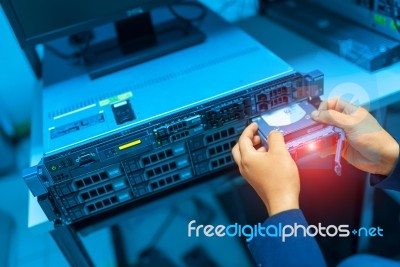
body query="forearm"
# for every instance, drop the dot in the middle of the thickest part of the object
(294, 251)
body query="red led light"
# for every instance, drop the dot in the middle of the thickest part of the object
(316, 145)
(312, 146)
(307, 149)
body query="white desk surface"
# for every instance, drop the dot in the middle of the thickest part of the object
(342, 78)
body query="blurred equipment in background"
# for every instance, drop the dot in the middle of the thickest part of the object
(366, 33)
(154, 257)
(198, 257)
(7, 151)
(7, 226)
(136, 38)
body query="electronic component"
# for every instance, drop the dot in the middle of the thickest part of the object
(302, 134)
(134, 32)
(142, 161)
(335, 26)
(77, 125)
(123, 112)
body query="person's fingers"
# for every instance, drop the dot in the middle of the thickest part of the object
(338, 104)
(332, 103)
(324, 105)
(256, 140)
(261, 149)
(276, 141)
(246, 139)
(236, 154)
(332, 117)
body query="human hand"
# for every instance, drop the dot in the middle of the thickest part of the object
(273, 174)
(368, 146)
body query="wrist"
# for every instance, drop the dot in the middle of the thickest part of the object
(282, 204)
(390, 158)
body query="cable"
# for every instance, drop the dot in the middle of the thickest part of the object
(203, 212)
(238, 203)
(201, 209)
(201, 16)
(392, 6)
(162, 228)
(76, 55)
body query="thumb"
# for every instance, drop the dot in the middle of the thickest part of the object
(276, 141)
(331, 117)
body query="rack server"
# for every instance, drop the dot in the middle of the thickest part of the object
(113, 141)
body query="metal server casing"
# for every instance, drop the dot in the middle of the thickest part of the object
(303, 136)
